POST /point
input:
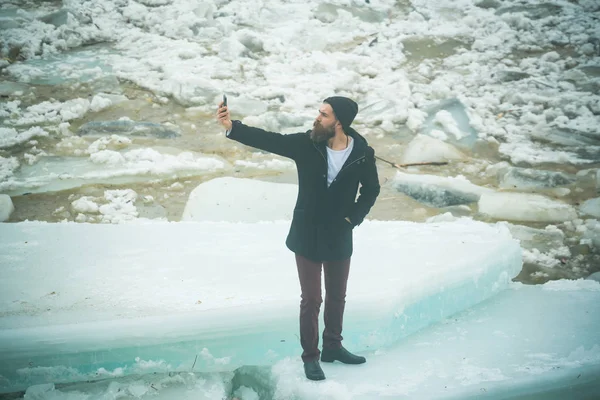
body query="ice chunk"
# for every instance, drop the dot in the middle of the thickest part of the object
(594, 277)
(106, 166)
(7, 168)
(127, 297)
(485, 352)
(39, 392)
(112, 142)
(52, 112)
(425, 148)
(273, 164)
(57, 18)
(219, 200)
(327, 12)
(244, 392)
(451, 360)
(534, 12)
(525, 207)
(451, 117)
(509, 76)
(231, 49)
(438, 191)
(10, 137)
(541, 247)
(6, 207)
(120, 207)
(573, 138)
(591, 207)
(11, 18)
(128, 127)
(103, 100)
(247, 106)
(525, 178)
(84, 205)
(544, 240)
(591, 232)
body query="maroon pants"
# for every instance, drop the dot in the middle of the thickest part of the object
(336, 279)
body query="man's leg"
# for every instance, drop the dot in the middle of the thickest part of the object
(336, 280)
(309, 273)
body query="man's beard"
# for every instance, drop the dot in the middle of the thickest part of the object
(320, 133)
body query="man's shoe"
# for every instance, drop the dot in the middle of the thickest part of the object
(342, 355)
(313, 371)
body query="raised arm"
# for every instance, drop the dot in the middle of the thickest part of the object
(277, 143)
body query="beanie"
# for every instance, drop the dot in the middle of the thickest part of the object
(344, 109)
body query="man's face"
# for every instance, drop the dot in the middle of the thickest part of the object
(324, 125)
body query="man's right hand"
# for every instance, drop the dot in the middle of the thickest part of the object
(223, 117)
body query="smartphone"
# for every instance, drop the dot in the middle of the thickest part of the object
(224, 100)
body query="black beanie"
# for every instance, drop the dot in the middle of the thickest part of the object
(344, 108)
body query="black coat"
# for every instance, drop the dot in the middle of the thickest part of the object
(319, 231)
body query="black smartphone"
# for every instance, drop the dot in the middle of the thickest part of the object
(224, 100)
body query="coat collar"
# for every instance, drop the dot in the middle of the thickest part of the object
(358, 151)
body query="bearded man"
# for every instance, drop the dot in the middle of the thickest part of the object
(332, 160)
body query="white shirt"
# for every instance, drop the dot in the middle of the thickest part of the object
(336, 159)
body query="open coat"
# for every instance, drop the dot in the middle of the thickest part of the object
(319, 230)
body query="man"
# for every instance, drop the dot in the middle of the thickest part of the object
(332, 160)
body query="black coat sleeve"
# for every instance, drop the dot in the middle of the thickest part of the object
(277, 143)
(369, 190)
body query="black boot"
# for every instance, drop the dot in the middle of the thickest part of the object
(341, 355)
(313, 371)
